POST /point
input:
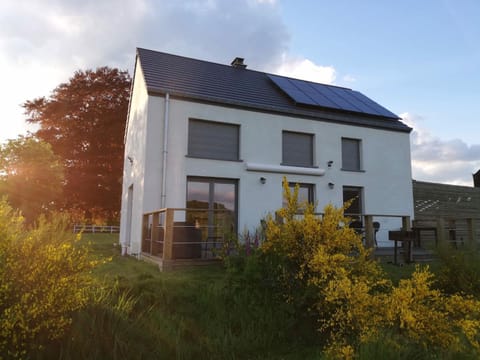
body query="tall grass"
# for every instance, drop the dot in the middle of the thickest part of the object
(196, 313)
(199, 313)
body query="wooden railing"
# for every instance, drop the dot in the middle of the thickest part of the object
(181, 233)
(454, 230)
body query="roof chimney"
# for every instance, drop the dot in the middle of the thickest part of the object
(476, 179)
(238, 63)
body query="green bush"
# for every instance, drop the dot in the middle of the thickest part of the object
(459, 270)
(44, 279)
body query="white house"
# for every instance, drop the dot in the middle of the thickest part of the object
(219, 137)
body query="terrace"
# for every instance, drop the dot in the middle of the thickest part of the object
(176, 237)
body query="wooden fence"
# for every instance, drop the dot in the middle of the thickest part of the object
(96, 228)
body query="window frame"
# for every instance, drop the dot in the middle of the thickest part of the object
(194, 153)
(358, 155)
(361, 207)
(212, 182)
(285, 151)
(310, 188)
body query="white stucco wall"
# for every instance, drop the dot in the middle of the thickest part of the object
(134, 170)
(386, 178)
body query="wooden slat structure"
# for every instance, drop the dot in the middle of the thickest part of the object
(446, 213)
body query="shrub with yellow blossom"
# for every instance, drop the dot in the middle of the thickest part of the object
(326, 272)
(44, 278)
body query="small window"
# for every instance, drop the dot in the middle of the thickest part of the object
(355, 193)
(305, 193)
(297, 149)
(351, 154)
(213, 140)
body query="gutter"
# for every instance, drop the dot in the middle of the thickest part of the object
(163, 199)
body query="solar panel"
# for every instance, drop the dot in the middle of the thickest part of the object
(372, 104)
(328, 96)
(288, 86)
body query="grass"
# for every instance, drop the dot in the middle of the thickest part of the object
(185, 314)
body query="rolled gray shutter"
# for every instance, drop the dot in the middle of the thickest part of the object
(297, 149)
(213, 140)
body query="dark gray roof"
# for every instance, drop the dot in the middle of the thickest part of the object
(205, 81)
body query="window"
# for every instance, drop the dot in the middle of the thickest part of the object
(355, 193)
(351, 154)
(216, 201)
(297, 149)
(305, 193)
(213, 140)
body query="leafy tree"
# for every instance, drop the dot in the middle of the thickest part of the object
(30, 175)
(84, 121)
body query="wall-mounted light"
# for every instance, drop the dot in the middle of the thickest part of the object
(330, 163)
(331, 185)
(130, 159)
(263, 180)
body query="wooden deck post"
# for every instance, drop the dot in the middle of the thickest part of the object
(168, 238)
(440, 231)
(471, 231)
(144, 231)
(155, 230)
(407, 245)
(369, 240)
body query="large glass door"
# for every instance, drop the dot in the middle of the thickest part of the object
(212, 207)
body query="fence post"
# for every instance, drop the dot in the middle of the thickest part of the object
(440, 231)
(155, 230)
(407, 245)
(168, 238)
(369, 231)
(471, 232)
(144, 232)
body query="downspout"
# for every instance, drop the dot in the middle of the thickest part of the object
(163, 199)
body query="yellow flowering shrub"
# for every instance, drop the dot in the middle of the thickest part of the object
(44, 277)
(325, 270)
(430, 318)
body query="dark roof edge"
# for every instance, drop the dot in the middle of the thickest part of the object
(443, 184)
(272, 109)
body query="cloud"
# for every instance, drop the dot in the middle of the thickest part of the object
(446, 161)
(306, 69)
(349, 79)
(42, 42)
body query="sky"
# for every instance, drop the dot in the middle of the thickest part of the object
(419, 59)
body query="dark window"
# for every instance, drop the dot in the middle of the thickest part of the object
(297, 149)
(305, 193)
(355, 193)
(212, 205)
(351, 154)
(213, 140)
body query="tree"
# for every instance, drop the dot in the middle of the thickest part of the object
(31, 176)
(84, 121)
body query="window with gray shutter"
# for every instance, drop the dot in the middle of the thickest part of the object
(213, 140)
(351, 154)
(297, 149)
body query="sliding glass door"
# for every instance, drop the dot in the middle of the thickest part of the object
(212, 207)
